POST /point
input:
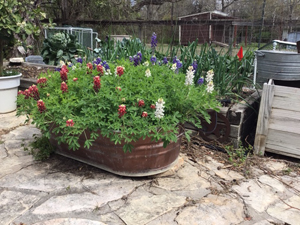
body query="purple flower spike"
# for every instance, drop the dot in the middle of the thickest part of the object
(200, 81)
(174, 59)
(153, 42)
(57, 69)
(97, 61)
(178, 64)
(153, 59)
(79, 60)
(130, 59)
(194, 65)
(165, 60)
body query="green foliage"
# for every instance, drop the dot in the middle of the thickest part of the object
(40, 148)
(111, 50)
(239, 155)
(60, 47)
(92, 111)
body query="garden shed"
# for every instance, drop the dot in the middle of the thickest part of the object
(218, 31)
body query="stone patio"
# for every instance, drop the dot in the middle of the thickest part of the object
(66, 192)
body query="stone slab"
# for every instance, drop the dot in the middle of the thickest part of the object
(143, 207)
(14, 204)
(10, 120)
(213, 210)
(69, 221)
(284, 212)
(259, 197)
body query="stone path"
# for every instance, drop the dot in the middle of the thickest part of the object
(65, 192)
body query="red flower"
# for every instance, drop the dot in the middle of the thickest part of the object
(42, 81)
(41, 106)
(75, 79)
(89, 66)
(141, 103)
(118, 88)
(34, 92)
(120, 70)
(69, 123)
(152, 106)
(64, 67)
(100, 69)
(97, 83)
(121, 110)
(64, 73)
(64, 87)
(144, 114)
(26, 93)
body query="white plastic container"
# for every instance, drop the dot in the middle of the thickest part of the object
(8, 93)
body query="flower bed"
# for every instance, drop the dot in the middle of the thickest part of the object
(136, 99)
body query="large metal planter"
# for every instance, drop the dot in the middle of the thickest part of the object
(277, 65)
(147, 157)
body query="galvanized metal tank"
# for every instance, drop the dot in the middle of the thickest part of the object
(277, 65)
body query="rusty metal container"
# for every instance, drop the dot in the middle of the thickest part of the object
(277, 65)
(147, 157)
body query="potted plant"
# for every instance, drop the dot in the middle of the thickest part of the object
(16, 18)
(125, 117)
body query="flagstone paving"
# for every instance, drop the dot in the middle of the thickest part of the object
(61, 191)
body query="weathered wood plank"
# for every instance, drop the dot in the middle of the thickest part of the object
(288, 92)
(283, 141)
(283, 113)
(285, 124)
(280, 152)
(286, 103)
(263, 119)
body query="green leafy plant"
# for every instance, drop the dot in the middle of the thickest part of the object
(125, 100)
(60, 47)
(238, 156)
(40, 148)
(18, 17)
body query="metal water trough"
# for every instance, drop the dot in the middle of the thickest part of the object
(277, 65)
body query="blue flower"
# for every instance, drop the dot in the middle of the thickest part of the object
(105, 65)
(153, 59)
(97, 61)
(194, 65)
(130, 59)
(153, 41)
(57, 69)
(165, 60)
(174, 59)
(200, 81)
(178, 64)
(79, 60)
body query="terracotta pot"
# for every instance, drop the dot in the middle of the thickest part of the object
(147, 157)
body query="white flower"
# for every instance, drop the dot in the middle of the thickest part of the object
(189, 78)
(61, 63)
(148, 73)
(69, 63)
(174, 67)
(107, 72)
(209, 76)
(159, 106)
(210, 87)
(146, 63)
(73, 67)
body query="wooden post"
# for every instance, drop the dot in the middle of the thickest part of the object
(234, 36)
(263, 119)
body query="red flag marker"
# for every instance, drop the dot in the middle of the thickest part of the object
(240, 53)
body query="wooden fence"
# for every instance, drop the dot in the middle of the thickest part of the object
(278, 125)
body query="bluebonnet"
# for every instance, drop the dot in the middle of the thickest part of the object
(130, 59)
(174, 59)
(153, 59)
(200, 81)
(153, 42)
(139, 54)
(97, 61)
(165, 60)
(79, 60)
(137, 59)
(194, 65)
(105, 65)
(178, 64)
(57, 69)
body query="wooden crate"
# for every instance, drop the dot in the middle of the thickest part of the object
(278, 125)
